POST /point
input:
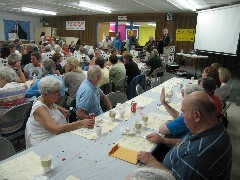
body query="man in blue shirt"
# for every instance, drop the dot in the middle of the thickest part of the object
(49, 68)
(89, 94)
(117, 43)
(205, 153)
(177, 127)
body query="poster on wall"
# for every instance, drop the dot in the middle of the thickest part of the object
(131, 32)
(185, 35)
(75, 25)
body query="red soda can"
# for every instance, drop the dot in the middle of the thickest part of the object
(133, 106)
(91, 116)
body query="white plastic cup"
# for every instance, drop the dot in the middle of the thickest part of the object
(98, 129)
(46, 161)
(121, 113)
(144, 120)
(112, 115)
(138, 126)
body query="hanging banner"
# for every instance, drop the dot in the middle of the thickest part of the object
(75, 25)
(185, 35)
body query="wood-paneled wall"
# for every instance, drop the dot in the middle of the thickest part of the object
(180, 20)
(184, 20)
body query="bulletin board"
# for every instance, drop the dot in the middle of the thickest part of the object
(185, 35)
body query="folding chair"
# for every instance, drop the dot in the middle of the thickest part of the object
(7, 150)
(117, 97)
(121, 85)
(62, 101)
(13, 121)
(139, 89)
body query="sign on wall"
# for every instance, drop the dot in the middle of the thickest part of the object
(75, 25)
(185, 35)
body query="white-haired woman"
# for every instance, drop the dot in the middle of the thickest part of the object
(46, 119)
(14, 62)
(7, 75)
(11, 94)
(150, 173)
(74, 76)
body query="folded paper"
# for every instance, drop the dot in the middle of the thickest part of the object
(91, 134)
(26, 167)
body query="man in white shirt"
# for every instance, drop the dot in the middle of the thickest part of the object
(106, 42)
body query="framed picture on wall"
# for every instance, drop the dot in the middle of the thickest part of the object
(131, 32)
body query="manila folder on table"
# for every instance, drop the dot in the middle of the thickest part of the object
(124, 154)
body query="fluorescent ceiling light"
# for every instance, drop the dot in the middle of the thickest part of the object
(151, 24)
(39, 11)
(188, 4)
(94, 7)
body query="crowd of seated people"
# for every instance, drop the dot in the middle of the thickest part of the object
(52, 77)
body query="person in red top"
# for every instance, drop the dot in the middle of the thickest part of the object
(209, 85)
(65, 49)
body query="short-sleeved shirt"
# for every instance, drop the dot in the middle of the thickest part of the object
(117, 72)
(31, 69)
(34, 91)
(206, 155)
(88, 98)
(166, 40)
(73, 80)
(177, 127)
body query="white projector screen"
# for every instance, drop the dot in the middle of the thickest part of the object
(218, 29)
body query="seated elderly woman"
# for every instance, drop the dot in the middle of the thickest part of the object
(46, 118)
(105, 72)
(213, 73)
(208, 85)
(74, 76)
(7, 75)
(11, 93)
(49, 68)
(14, 62)
(225, 89)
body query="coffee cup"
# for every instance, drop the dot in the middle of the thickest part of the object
(112, 115)
(46, 161)
(98, 129)
(144, 120)
(138, 126)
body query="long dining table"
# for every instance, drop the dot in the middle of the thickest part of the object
(74, 156)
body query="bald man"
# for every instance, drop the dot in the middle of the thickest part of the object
(205, 153)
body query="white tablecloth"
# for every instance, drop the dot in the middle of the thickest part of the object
(89, 159)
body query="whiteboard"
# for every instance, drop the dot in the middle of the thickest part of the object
(218, 29)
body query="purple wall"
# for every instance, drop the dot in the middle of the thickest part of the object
(121, 30)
